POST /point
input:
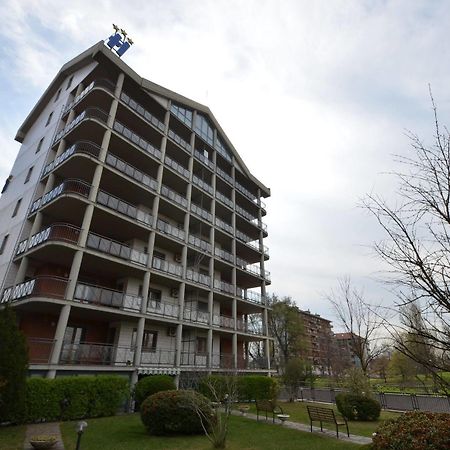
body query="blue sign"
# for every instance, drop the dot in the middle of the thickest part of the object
(120, 44)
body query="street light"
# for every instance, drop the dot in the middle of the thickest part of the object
(80, 429)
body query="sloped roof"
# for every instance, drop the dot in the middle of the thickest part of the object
(93, 53)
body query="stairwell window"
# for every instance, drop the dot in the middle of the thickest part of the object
(39, 146)
(4, 242)
(69, 83)
(16, 208)
(57, 95)
(49, 118)
(30, 171)
(5, 186)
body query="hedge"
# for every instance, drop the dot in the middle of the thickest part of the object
(74, 397)
(151, 385)
(358, 407)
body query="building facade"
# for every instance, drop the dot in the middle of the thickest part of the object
(132, 233)
(345, 348)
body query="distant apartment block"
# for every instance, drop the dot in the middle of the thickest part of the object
(345, 345)
(132, 233)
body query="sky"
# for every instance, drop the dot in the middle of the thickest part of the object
(316, 96)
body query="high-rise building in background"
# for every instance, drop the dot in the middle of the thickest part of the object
(131, 232)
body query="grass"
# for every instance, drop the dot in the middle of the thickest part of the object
(12, 438)
(299, 413)
(128, 433)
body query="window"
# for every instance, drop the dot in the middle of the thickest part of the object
(5, 186)
(57, 95)
(185, 115)
(39, 146)
(154, 297)
(4, 242)
(49, 118)
(202, 306)
(16, 208)
(201, 345)
(30, 171)
(204, 129)
(69, 83)
(149, 340)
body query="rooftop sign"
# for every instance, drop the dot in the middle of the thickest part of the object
(119, 42)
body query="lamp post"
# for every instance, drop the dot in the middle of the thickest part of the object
(80, 429)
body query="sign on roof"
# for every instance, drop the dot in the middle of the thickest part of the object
(119, 42)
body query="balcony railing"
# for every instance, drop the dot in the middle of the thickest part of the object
(147, 115)
(223, 254)
(83, 147)
(224, 175)
(222, 361)
(115, 248)
(168, 267)
(77, 187)
(89, 113)
(180, 141)
(249, 327)
(121, 206)
(254, 297)
(223, 286)
(224, 226)
(39, 350)
(200, 243)
(103, 83)
(203, 213)
(245, 192)
(202, 184)
(174, 196)
(131, 171)
(88, 293)
(177, 167)
(224, 199)
(56, 232)
(163, 308)
(136, 139)
(198, 277)
(51, 287)
(158, 357)
(96, 354)
(247, 240)
(223, 321)
(166, 228)
(254, 269)
(244, 213)
(206, 161)
(194, 315)
(199, 359)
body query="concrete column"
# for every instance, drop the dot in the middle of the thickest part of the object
(59, 338)
(62, 143)
(178, 345)
(37, 224)
(22, 271)
(139, 337)
(145, 288)
(234, 351)
(181, 293)
(209, 348)
(267, 342)
(119, 85)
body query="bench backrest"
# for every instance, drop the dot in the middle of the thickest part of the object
(265, 405)
(322, 414)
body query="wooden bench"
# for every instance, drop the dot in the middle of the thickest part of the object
(319, 414)
(268, 406)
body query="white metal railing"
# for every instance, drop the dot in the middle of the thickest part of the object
(168, 267)
(173, 195)
(179, 140)
(198, 277)
(203, 213)
(202, 184)
(224, 226)
(223, 254)
(224, 199)
(166, 228)
(200, 243)
(147, 115)
(177, 167)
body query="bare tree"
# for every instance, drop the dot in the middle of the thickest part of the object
(360, 320)
(417, 245)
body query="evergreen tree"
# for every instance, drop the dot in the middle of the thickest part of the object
(13, 368)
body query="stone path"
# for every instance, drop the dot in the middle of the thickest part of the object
(302, 427)
(40, 429)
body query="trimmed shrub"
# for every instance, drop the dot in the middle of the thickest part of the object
(257, 387)
(215, 387)
(151, 385)
(414, 431)
(108, 393)
(42, 400)
(357, 407)
(75, 395)
(173, 412)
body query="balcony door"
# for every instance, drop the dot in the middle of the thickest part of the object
(74, 337)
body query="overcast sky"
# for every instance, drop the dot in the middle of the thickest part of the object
(315, 95)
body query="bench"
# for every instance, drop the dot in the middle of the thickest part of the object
(268, 406)
(319, 414)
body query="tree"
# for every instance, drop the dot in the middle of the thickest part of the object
(360, 320)
(13, 368)
(297, 373)
(286, 327)
(380, 366)
(402, 365)
(417, 246)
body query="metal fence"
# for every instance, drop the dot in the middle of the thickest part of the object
(388, 400)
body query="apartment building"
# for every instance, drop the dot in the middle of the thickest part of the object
(131, 231)
(345, 348)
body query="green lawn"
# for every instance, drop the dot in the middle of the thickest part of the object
(299, 413)
(12, 438)
(128, 433)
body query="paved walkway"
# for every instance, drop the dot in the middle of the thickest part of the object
(40, 429)
(302, 427)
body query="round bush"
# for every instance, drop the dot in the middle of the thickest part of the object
(414, 431)
(151, 385)
(356, 407)
(173, 412)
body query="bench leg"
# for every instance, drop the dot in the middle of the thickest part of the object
(348, 433)
(321, 429)
(337, 431)
(311, 425)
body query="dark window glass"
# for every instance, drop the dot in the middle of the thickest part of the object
(39, 146)
(16, 208)
(30, 171)
(4, 242)
(49, 118)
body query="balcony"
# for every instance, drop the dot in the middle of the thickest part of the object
(163, 308)
(254, 269)
(147, 115)
(223, 254)
(167, 267)
(136, 139)
(203, 213)
(249, 241)
(51, 287)
(245, 214)
(39, 350)
(89, 354)
(200, 243)
(222, 174)
(245, 192)
(117, 249)
(177, 167)
(194, 315)
(223, 286)
(132, 172)
(249, 327)
(254, 297)
(223, 321)
(166, 228)
(56, 232)
(97, 295)
(69, 186)
(199, 359)
(202, 184)
(197, 277)
(88, 113)
(224, 226)
(180, 141)
(224, 199)
(173, 196)
(81, 147)
(158, 357)
(206, 161)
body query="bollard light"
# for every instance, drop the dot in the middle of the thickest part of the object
(80, 430)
